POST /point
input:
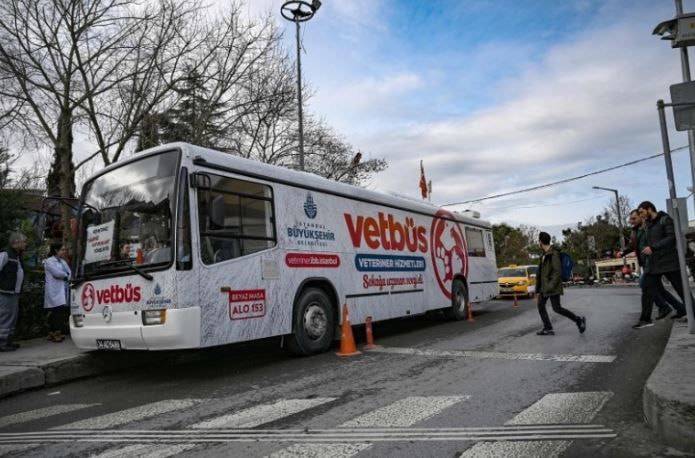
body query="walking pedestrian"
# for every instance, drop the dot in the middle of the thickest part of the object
(57, 292)
(11, 281)
(662, 258)
(549, 287)
(661, 297)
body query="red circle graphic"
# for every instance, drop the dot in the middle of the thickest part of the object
(89, 297)
(448, 250)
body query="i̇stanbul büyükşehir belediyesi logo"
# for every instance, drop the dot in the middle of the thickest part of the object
(310, 208)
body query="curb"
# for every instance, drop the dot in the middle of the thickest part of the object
(668, 399)
(17, 378)
(23, 376)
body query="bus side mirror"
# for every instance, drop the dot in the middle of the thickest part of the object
(216, 213)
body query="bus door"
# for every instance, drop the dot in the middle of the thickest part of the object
(238, 273)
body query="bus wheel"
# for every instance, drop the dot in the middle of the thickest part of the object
(313, 323)
(459, 301)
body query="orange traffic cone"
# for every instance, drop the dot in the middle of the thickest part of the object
(370, 336)
(470, 312)
(347, 340)
(516, 301)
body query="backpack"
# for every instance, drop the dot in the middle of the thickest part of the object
(567, 266)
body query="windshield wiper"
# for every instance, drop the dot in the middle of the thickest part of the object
(140, 272)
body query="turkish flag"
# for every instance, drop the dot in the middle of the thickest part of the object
(423, 181)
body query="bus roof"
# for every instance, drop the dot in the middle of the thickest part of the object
(299, 178)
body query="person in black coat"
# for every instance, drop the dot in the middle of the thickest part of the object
(662, 256)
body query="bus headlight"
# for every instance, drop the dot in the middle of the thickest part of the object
(152, 317)
(78, 320)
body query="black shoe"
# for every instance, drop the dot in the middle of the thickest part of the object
(545, 332)
(7, 348)
(13, 345)
(581, 324)
(663, 315)
(643, 324)
(678, 316)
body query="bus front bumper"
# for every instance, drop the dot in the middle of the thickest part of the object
(180, 330)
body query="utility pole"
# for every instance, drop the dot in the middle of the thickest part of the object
(620, 219)
(680, 238)
(299, 11)
(685, 69)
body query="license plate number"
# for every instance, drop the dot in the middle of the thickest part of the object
(107, 344)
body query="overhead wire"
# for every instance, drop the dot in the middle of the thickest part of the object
(563, 181)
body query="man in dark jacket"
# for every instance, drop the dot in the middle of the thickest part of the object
(549, 287)
(11, 281)
(661, 297)
(662, 256)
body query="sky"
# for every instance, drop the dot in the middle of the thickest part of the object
(494, 96)
(498, 95)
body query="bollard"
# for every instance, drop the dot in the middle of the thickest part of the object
(370, 336)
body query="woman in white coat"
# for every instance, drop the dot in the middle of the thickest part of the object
(56, 292)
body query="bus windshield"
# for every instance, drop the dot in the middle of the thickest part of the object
(511, 273)
(127, 216)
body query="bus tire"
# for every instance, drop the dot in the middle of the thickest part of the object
(459, 301)
(313, 323)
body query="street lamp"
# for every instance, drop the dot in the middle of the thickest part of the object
(620, 219)
(680, 32)
(299, 11)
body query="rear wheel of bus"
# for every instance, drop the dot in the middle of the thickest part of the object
(313, 323)
(459, 301)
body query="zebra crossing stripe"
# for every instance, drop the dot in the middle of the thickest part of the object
(123, 417)
(554, 408)
(248, 418)
(35, 414)
(145, 450)
(563, 408)
(320, 451)
(265, 413)
(474, 354)
(404, 412)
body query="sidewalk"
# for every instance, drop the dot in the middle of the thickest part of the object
(39, 362)
(669, 394)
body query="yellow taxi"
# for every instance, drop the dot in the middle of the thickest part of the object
(519, 280)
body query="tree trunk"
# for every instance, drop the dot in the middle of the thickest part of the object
(61, 178)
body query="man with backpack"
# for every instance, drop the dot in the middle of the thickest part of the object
(549, 286)
(662, 255)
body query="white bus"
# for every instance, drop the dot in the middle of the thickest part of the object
(185, 247)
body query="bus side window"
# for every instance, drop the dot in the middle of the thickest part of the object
(476, 244)
(243, 221)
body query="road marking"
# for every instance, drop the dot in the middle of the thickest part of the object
(474, 354)
(563, 408)
(123, 417)
(248, 418)
(35, 414)
(559, 408)
(320, 451)
(404, 412)
(265, 413)
(142, 450)
(337, 435)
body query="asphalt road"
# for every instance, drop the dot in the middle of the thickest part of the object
(435, 388)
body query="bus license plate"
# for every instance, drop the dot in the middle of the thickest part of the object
(106, 344)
